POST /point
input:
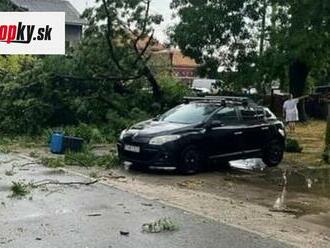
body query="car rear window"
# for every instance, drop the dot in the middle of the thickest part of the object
(251, 114)
(226, 115)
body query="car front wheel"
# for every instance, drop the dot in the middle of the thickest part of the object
(273, 154)
(191, 161)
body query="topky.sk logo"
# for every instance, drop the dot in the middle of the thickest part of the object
(23, 33)
(32, 33)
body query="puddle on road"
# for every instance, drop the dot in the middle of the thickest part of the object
(304, 192)
(313, 180)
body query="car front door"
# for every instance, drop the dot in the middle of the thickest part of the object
(224, 139)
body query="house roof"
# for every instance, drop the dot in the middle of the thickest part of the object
(175, 55)
(178, 59)
(72, 16)
(155, 45)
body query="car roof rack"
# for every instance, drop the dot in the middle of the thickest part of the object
(223, 100)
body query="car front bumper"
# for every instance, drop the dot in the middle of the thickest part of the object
(150, 155)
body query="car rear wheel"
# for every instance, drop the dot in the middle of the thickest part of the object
(191, 161)
(273, 154)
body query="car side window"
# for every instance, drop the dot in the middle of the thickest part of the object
(251, 115)
(226, 115)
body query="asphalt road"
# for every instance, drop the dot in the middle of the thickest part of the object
(93, 216)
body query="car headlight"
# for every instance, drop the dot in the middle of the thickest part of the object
(122, 134)
(160, 140)
(282, 132)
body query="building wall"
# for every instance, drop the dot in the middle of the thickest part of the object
(185, 74)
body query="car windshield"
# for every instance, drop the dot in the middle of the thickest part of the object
(189, 113)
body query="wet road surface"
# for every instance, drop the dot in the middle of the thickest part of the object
(249, 195)
(93, 216)
(255, 182)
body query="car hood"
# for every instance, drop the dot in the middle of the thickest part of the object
(152, 128)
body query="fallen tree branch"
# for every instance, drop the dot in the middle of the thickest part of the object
(26, 164)
(56, 182)
(20, 189)
(102, 78)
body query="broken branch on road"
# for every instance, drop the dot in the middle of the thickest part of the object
(161, 225)
(56, 182)
(20, 189)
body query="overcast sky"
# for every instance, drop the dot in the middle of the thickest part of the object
(158, 6)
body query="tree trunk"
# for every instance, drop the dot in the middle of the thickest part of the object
(153, 82)
(263, 29)
(298, 73)
(326, 154)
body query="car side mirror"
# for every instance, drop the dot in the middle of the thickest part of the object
(216, 124)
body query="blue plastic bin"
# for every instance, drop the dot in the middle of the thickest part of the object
(57, 143)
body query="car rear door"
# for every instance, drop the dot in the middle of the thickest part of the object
(225, 140)
(266, 120)
(255, 129)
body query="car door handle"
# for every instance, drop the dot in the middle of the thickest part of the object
(238, 133)
(265, 128)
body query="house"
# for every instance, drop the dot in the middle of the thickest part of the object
(181, 66)
(73, 22)
(185, 68)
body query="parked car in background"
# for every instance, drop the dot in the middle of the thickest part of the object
(206, 86)
(205, 129)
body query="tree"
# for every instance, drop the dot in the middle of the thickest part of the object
(127, 27)
(261, 40)
(302, 37)
(6, 5)
(223, 34)
(87, 86)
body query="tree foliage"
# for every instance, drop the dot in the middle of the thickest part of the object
(87, 85)
(127, 28)
(226, 36)
(302, 38)
(6, 5)
(261, 40)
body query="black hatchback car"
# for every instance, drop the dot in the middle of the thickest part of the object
(205, 129)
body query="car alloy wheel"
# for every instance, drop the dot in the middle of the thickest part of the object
(191, 161)
(273, 154)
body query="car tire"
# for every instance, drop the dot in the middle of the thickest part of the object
(273, 154)
(191, 161)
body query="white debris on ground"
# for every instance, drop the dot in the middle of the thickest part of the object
(248, 164)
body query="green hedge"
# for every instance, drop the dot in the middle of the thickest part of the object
(292, 146)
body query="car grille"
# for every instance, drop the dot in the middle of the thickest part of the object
(136, 139)
(145, 155)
